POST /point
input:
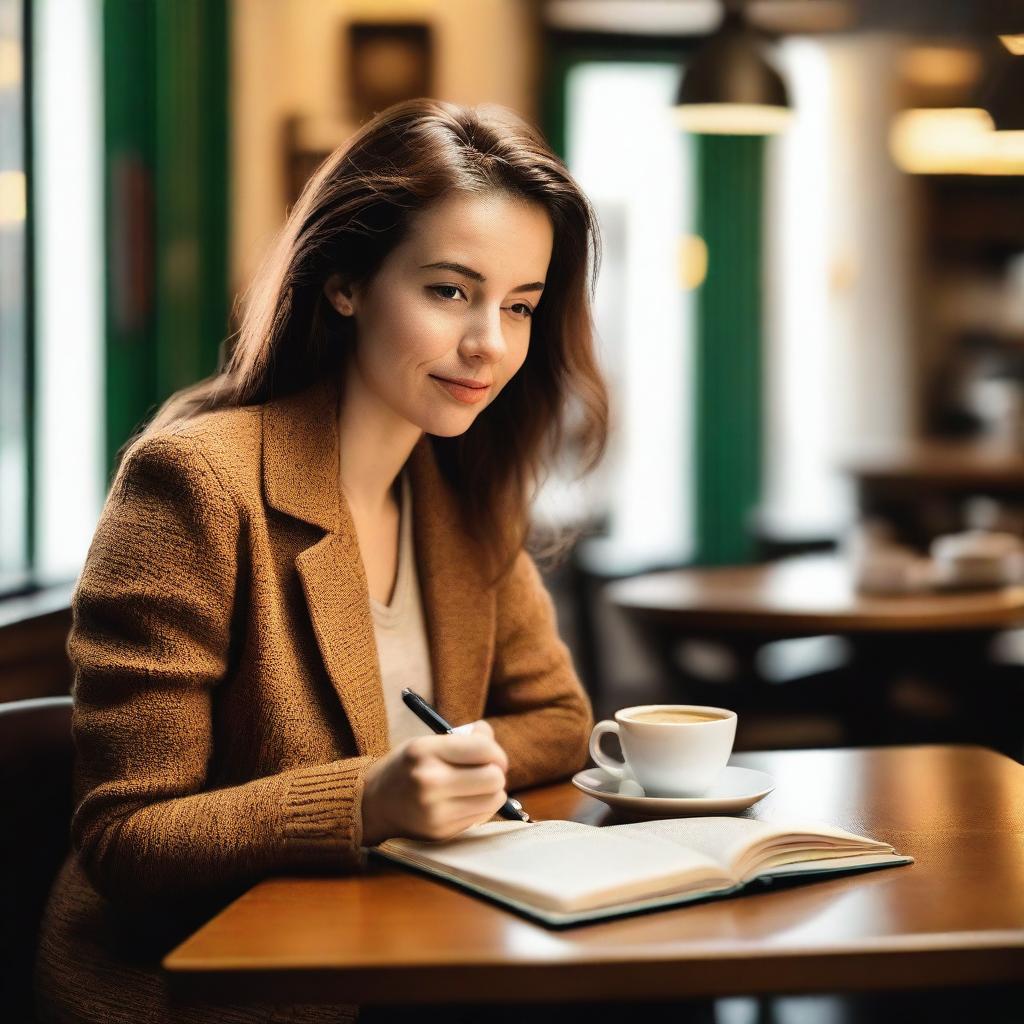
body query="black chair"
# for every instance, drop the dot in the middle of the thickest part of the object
(36, 754)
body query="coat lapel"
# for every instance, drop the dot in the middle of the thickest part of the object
(300, 466)
(300, 478)
(334, 583)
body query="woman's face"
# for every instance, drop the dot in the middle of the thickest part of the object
(453, 300)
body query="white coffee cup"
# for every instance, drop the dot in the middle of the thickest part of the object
(670, 749)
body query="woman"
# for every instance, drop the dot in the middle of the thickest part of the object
(337, 514)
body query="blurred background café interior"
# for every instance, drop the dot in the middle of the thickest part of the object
(810, 313)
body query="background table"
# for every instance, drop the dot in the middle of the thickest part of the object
(944, 637)
(806, 595)
(921, 486)
(955, 917)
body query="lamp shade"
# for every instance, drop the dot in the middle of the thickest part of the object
(729, 88)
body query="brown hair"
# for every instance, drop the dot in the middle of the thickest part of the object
(353, 211)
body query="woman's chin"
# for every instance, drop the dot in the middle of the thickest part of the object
(449, 424)
(445, 428)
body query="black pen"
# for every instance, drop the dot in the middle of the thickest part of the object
(511, 808)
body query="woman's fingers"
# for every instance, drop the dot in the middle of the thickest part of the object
(458, 807)
(448, 817)
(434, 786)
(475, 748)
(453, 781)
(481, 725)
(459, 749)
(478, 780)
(467, 812)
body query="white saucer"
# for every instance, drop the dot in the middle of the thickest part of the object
(734, 790)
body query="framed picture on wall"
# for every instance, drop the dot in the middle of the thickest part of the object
(307, 141)
(387, 62)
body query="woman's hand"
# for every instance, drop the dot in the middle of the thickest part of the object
(433, 787)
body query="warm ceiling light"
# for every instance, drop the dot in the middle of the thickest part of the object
(693, 262)
(729, 88)
(940, 66)
(1015, 44)
(733, 118)
(10, 64)
(954, 141)
(12, 198)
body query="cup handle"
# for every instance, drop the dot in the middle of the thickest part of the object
(616, 769)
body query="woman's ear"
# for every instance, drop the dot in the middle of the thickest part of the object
(340, 295)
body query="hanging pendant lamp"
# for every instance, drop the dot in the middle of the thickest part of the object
(729, 88)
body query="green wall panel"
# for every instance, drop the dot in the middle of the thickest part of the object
(129, 147)
(167, 139)
(728, 401)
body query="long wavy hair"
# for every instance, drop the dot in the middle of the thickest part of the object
(353, 211)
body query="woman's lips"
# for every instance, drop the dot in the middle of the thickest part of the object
(468, 395)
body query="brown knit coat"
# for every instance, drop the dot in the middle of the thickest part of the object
(228, 698)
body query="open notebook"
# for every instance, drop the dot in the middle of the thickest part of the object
(564, 872)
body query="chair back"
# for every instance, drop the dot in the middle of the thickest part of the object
(36, 755)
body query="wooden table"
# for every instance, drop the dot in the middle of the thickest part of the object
(942, 638)
(921, 486)
(807, 595)
(971, 466)
(955, 917)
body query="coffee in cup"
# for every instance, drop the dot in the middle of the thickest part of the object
(673, 716)
(670, 749)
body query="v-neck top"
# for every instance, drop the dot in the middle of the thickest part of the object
(401, 635)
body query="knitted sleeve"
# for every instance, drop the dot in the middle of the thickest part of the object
(150, 639)
(535, 704)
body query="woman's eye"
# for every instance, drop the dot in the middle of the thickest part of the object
(439, 288)
(451, 292)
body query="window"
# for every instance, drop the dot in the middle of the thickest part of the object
(804, 494)
(840, 266)
(69, 267)
(635, 165)
(14, 309)
(51, 289)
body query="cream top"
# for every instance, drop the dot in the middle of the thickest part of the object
(401, 635)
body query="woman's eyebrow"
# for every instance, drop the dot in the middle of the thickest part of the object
(475, 275)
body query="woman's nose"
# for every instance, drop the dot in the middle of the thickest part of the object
(486, 338)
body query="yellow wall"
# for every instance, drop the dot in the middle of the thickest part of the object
(288, 58)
